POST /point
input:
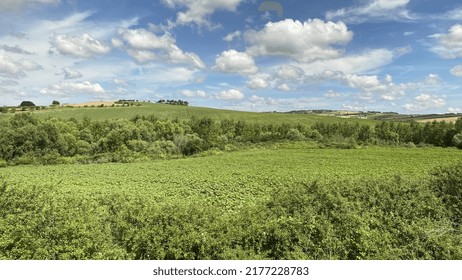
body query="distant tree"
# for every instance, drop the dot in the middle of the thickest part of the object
(56, 103)
(27, 104)
(458, 125)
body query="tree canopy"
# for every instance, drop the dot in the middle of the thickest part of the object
(27, 104)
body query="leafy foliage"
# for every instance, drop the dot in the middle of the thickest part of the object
(278, 197)
(291, 201)
(26, 139)
(27, 104)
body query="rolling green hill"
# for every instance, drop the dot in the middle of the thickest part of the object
(164, 111)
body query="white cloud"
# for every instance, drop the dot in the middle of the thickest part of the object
(17, 4)
(372, 10)
(145, 47)
(449, 45)
(81, 46)
(455, 14)
(15, 49)
(198, 12)
(233, 61)
(257, 83)
(354, 107)
(232, 94)
(425, 101)
(433, 79)
(256, 99)
(190, 93)
(12, 68)
(268, 101)
(370, 87)
(156, 74)
(120, 82)
(454, 110)
(402, 51)
(284, 87)
(358, 63)
(233, 36)
(34, 35)
(67, 89)
(70, 74)
(457, 71)
(305, 42)
(332, 94)
(290, 73)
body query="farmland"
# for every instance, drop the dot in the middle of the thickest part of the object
(174, 112)
(281, 201)
(173, 182)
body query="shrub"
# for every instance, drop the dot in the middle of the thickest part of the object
(447, 184)
(295, 135)
(457, 140)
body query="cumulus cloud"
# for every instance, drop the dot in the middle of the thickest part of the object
(457, 71)
(254, 99)
(372, 10)
(454, 110)
(425, 101)
(120, 82)
(332, 94)
(449, 45)
(290, 73)
(357, 63)
(196, 93)
(232, 94)
(433, 79)
(145, 47)
(15, 49)
(198, 12)
(354, 107)
(6, 5)
(232, 36)
(233, 61)
(370, 87)
(12, 68)
(302, 41)
(66, 89)
(80, 46)
(257, 83)
(70, 74)
(284, 87)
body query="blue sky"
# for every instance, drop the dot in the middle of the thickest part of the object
(386, 55)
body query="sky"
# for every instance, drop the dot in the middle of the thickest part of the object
(363, 55)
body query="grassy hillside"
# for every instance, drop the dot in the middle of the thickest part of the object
(180, 112)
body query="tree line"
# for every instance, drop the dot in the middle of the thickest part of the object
(26, 139)
(174, 102)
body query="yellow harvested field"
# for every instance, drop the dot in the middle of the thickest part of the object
(450, 119)
(93, 103)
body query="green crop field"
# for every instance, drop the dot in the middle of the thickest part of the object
(281, 201)
(165, 111)
(229, 179)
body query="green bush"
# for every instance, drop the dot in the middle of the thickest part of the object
(457, 140)
(447, 184)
